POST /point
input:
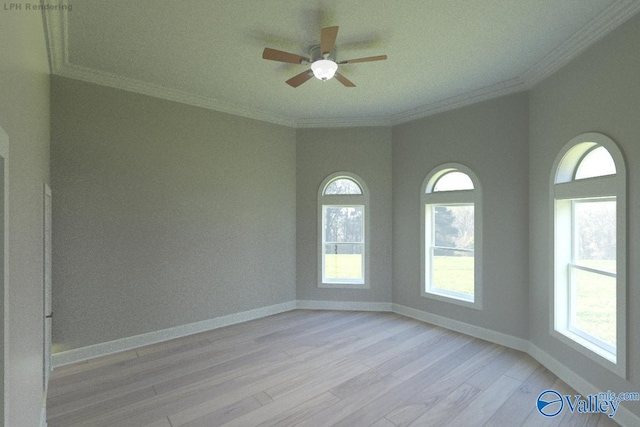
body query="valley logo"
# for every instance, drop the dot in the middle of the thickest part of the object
(551, 403)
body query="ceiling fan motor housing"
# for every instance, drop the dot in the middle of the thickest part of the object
(323, 68)
(315, 54)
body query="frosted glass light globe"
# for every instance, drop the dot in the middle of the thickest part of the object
(324, 69)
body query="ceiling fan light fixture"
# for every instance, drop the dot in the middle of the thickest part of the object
(324, 69)
(322, 57)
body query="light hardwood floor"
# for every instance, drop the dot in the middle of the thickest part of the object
(314, 368)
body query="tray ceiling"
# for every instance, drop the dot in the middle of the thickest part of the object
(441, 54)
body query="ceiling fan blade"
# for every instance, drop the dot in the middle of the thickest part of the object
(328, 39)
(297, 80)
(345, 81)
(367, 59)
(278, 55)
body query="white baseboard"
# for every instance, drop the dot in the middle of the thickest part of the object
(129, 343)
(465, 328)
(623, 416)
(43, 417)
(343, 305)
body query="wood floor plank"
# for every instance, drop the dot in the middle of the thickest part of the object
(383, 423)
(400, 345)
(498, 365)
(362, 391)
(80, 416)
(523, 368)
(439, 413)
(160, 376)
(516, 409)
(223, 415)
(485, 404)
(391, 401)
(201, 398)
(310, 367)
(148, 369)
(160, 423)
(113, 376)
(276, 376)
(397, 359)
(294, 371)
(445, 346)
(301, 413)
(86, 365)
(436, 394)
(297, 397)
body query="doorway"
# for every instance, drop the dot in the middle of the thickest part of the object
(4, 263)
(48, 314)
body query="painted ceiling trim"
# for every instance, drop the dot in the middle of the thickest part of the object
(56, 31)
(462, 100)
(610, 18)
(102, 78)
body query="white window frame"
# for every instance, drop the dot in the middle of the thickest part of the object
(565, 192)
(343, 200)
(428, 200)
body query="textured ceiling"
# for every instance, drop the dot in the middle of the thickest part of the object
(441, 53)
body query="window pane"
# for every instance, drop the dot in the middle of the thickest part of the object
(454, 226)
(595, 234)
(343, 261)
(343, 224)
(452, 181)
(597, 163)
(593, 304)
(453, 271)
(343, 186)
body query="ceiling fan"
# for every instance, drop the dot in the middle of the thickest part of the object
(322, 57)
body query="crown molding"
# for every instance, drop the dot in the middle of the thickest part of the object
(57, 36)
(343, 122)
(102, 78)
(462, 100)
(56, 33)
(613, 16)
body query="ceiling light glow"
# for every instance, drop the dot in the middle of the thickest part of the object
(324, 69)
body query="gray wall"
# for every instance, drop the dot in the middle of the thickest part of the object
(165, 214)
(491, 139)
(597, 92)
(24, 116)
(367, 153)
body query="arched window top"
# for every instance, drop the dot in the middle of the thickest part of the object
(345, 184)
(453, 181)
(342, 185)
(596, 162)
(590, 155)
(450, 177)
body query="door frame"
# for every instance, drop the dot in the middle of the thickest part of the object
(4, 267)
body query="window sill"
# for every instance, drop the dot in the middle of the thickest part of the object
(446, 297)
(343, 285)
(592, 351)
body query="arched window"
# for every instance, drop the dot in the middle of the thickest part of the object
(451, 236)
(588, 188)
(343, 204)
